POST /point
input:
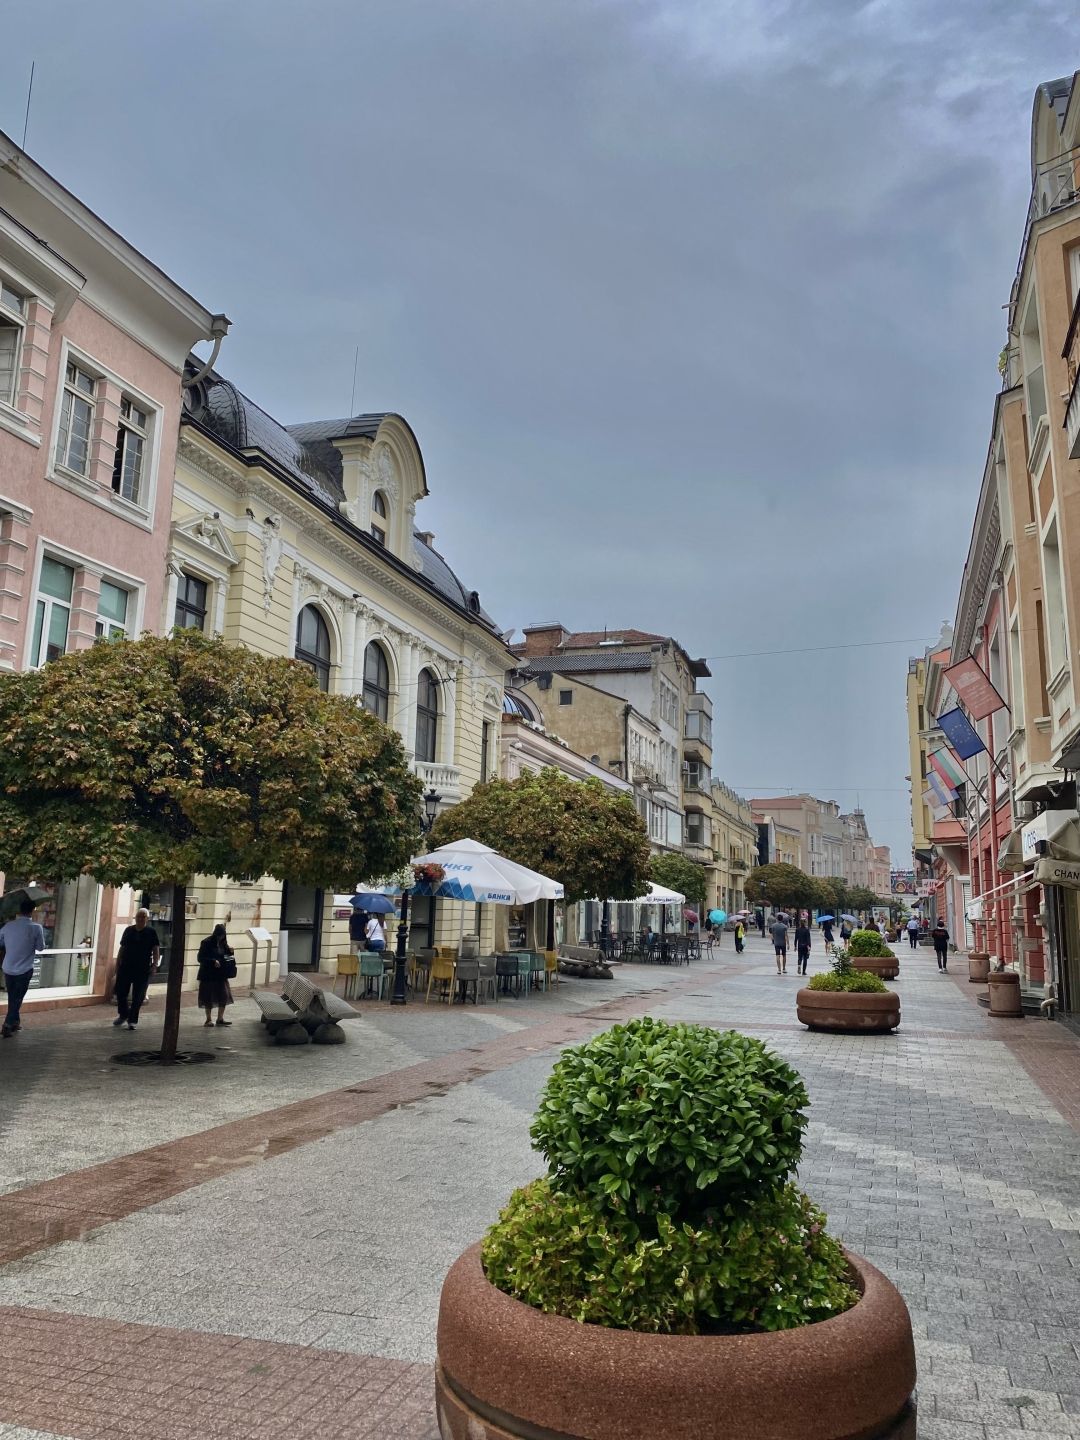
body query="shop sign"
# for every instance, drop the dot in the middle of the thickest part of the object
(975, 909)
(1058, 872)
(1044, 827)
(927, 888)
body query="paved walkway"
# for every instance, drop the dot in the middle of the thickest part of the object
(255, 1247)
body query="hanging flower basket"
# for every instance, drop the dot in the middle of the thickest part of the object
(428, 874)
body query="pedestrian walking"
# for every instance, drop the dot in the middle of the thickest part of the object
(845, 932)
(779, 932)
(827, 935)
(913, 932)
(940, 937)
(217, 967)
(376, 934)
(872, 924)
(740, 936)
(136, 960)
(20, 940)
(802, 945)
(358, 930)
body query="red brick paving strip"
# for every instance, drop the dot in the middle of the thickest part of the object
(107, 1379)
(83, 1200)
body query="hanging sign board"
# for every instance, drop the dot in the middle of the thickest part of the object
(972, 684)
(1058, 872)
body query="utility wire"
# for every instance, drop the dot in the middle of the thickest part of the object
(816, 649)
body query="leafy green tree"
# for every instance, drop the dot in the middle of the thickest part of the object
(576, 831)
(839, 895)
(146, 762)
(860, 897)
(785, 885)
(679, 873)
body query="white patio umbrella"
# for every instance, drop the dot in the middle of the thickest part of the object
(661, 895)
(476, 873)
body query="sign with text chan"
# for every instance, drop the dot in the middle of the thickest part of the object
(1058, 872)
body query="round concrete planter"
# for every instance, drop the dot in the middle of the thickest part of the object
(978, 967)
(506, 1370)
(885, 967)
(1005, 994)
(843, 1010)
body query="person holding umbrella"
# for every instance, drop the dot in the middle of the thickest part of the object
(826, 923)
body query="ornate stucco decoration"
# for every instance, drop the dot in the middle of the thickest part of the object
(272, 547)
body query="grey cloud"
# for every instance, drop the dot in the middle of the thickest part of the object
(694, 307)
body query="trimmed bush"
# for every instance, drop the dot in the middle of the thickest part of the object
(769, 1266)
(667, 1119)
(868, 944)
(859, 982)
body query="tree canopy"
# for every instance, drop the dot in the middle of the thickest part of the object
(576, 831)
(679, 873)
(781, 884)
(148, 761)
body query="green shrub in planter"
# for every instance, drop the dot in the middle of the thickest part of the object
(769, 1266)
(665, 1119)
(859, 982)
(665, 1207)
(869, 945)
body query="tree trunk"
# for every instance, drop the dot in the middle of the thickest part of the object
(171, 1029)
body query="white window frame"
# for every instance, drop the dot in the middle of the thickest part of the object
(141, 514)
(135, 585)
(107, 629)
(127, 427)
(69, 394)
(35, 662)
(17, 321)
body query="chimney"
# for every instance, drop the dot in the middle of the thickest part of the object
(543, 639)
(426, 537)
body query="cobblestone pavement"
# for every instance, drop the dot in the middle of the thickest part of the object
(255, 1248)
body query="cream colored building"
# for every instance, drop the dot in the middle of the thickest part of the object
(302, 541)
(735, 842)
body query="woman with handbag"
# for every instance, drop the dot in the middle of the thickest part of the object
(217, 966)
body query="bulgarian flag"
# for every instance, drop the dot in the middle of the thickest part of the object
(948, 767)
(945, 793)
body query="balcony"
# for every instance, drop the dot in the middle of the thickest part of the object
(444, 779)
(1071, 355)
(740, 864)
(697, 730)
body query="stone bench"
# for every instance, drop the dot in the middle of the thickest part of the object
(583, 961)
(280, 1019)
(317, 1010)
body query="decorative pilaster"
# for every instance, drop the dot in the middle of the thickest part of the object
(84, 608)
(406, 706)
(449, 687)
(104, 435)
(14, 559)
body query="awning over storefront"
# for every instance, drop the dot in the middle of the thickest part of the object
(1010, 856)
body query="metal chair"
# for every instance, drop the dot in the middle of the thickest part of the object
(466, 973)
(506, 969)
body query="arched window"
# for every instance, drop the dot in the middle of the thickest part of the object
(313, 644)
(378, 507)
(376, 681)
(427, 716)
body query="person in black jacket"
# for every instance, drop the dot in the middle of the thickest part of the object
(940, 937)
(216, 965)
(802, 945)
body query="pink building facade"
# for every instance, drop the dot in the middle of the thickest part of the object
(93, 339)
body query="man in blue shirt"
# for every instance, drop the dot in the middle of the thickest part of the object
(20, 940)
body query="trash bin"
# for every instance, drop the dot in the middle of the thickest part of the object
(1005, 993)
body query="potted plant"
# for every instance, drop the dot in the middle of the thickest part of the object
(873, 954)
(844, 998)
(666, 1277)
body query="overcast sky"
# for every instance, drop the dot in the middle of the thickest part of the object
(694, 307)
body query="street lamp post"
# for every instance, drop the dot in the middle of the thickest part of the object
(432, 801)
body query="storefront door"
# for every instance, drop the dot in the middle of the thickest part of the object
(301, 921)
(69, 916)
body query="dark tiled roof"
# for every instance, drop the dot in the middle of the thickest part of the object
(585, 664)
(586, 639)
(306, 455)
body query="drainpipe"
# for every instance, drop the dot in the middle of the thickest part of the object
(219, 328)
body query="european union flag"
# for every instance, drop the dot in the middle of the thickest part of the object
(960, 733)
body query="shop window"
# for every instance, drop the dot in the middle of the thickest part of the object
(427, 717)
(191, 594)
(376, 693)
(113, 606)
(313, 644)
(52, 612)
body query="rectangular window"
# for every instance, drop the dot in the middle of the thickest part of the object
(566, 697)
(1055, 601)
(76, 420)
(378, 534)
(485, 751)
(190, 603)
(12, 308)
(52, 612)
(129, 460)
(112, 621)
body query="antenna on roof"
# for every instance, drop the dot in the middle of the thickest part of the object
(355, 365)
(29, 92)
